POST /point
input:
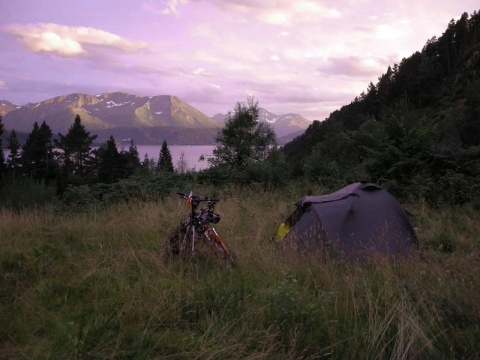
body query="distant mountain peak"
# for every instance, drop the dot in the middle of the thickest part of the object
(6, 107)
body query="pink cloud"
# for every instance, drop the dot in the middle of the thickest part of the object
(67, 41)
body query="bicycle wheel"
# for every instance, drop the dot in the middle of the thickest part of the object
(187, 241)
(220, 248)
(177, 244)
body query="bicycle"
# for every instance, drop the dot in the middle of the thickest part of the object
(197, 226)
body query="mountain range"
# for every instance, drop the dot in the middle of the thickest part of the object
(146, 120)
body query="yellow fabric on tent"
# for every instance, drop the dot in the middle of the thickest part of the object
(282, 231)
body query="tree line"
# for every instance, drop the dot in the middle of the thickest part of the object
(72, 159)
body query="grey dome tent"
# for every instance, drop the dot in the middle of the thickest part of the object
(358, 222)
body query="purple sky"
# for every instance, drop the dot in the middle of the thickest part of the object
(306, 57)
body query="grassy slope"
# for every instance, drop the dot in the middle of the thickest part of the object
(95, 285)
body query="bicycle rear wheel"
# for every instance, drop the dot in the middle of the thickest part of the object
(219, 247)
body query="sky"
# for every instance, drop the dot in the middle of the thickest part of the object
(308, 57)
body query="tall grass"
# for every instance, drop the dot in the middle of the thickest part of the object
(95, 284)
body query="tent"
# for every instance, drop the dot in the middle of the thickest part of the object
(359, 222)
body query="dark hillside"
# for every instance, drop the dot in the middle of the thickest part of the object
(417, 130)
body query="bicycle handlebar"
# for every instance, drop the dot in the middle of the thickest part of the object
(197, 198)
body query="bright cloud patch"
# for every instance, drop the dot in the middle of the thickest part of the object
(69, 41)
(172, 7)
(198, 71)
(282, 12)
(352, 66)
(388, 32)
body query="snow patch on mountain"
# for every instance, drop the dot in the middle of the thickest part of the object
(114, 104)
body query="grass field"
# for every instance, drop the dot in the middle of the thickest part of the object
(95, 284)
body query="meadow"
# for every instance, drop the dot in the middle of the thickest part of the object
(95, 284)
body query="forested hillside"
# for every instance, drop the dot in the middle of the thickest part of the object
(416, 131)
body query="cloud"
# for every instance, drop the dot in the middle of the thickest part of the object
(171, 8)
(68, 41)
(353, 66)
(387, 32)
(3, 85)
(198, 71)
(281, 12)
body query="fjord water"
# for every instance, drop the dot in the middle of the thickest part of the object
(192, 154)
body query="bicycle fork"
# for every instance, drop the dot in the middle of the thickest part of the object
(217, 240)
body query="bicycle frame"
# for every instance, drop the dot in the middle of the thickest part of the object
(197, 226)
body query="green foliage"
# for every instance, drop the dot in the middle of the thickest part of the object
(37, 154)
(391, 149)
(76, 155)
(2, 156)
(244, 139)
(272, 173)
(109, 168)
(19, 193)
(165, 163)
(13, 161)
(334, 161)
(130, 161)
(134, 188)
(469, 127)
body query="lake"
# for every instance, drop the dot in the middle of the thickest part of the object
(192, 153)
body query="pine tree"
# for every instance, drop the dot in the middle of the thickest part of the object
(13, 161)
(109, 169)
(146, 168)
(130, 161)
(76, 150)
(37, 153)
(165, 159)
(2, 156)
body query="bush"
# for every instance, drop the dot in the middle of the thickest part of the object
(19, 193)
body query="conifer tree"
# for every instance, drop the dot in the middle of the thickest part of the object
(146, 165)
(2, 156)
(76, 150)
(108, 157)
(165, 163)
(37, 153)
(130, 161)
(13, 161)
